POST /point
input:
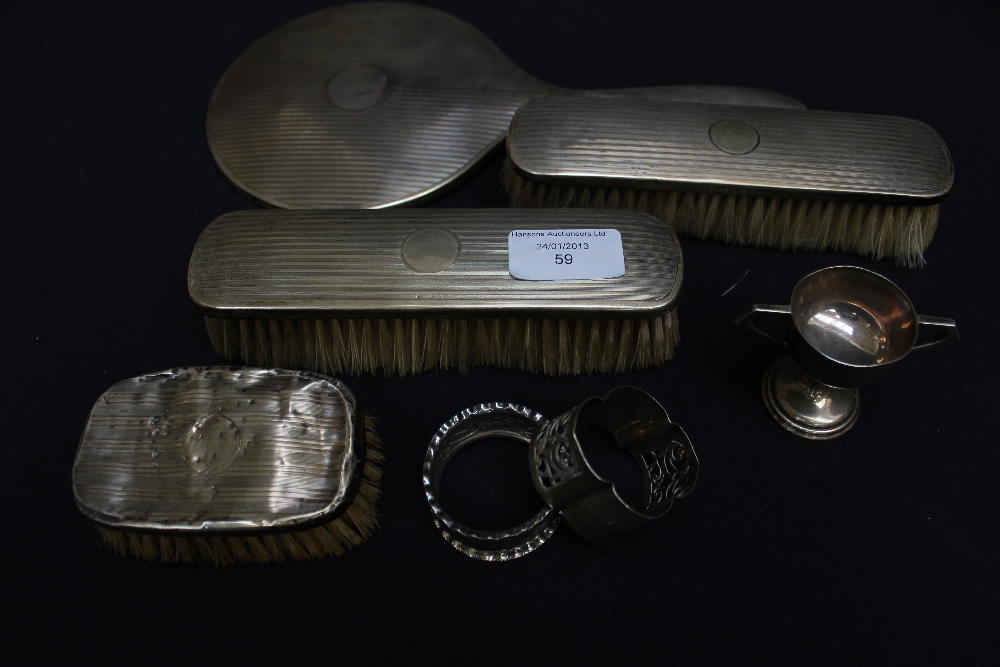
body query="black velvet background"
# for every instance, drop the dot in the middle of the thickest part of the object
(879, 548)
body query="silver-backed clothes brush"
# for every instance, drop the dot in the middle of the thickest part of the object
(379, 104)
(784, 178)
(408, 290)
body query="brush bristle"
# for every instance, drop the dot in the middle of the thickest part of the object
(345, 532)
(554, 346)
(872, 230)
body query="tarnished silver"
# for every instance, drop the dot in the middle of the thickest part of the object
(730, 150)
(806, 407)
(846, 328)
(638, 423)
(379, 104)
(487, 420)
(419, 262)
(196, 451)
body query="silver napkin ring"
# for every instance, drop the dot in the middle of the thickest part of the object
(488, 420)
(640, 426)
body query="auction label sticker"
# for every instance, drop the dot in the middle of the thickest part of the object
(565, 254)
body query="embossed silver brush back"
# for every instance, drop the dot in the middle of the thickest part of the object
(226, 451)
(409, 290)
(377, 104)
(785, 178)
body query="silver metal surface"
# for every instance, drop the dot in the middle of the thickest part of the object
(378, 104)
(638, 423)
(430, 250)
(291, 264)
(220, 450)
(858, 318)
(805, 406)
(487, 420)
(734, 137)
(730, 150)
(846, 328)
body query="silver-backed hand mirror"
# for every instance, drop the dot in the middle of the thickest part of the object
(380, 104)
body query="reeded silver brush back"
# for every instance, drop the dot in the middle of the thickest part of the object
(377, 104)
(196, 451)
(785, 178)
(726, 150)
(413, 289)
(430, 262)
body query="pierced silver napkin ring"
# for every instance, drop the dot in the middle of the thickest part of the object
(561, 473)
(638, 423)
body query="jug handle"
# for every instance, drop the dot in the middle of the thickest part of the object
(950, 335)
(746, 319)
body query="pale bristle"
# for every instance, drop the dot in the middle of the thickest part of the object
(347, 531)
(551, 346)
(872, 230)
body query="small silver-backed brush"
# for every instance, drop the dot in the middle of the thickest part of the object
(229, 465)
